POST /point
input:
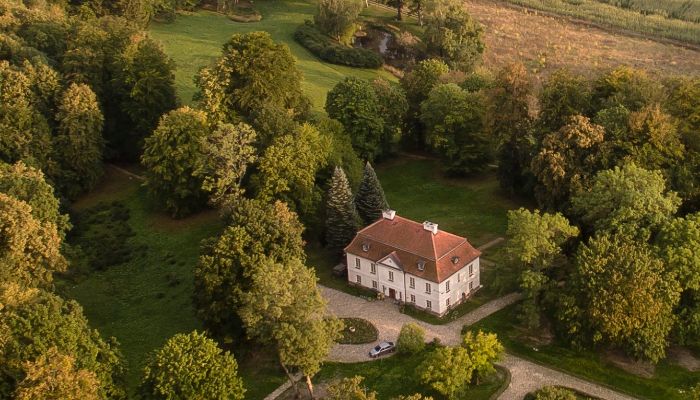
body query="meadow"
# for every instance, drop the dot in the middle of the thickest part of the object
(195, 40)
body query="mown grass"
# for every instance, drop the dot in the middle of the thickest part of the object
(358, 331)
(670, 382)
(641, 20)
(399, 375)
(147, 299)
(195, 40)
(473, 207)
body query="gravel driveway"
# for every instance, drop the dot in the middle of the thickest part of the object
(385, 315)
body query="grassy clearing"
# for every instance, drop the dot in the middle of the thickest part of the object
(358, 331)
(195, 40)
(398, 375)
(147, 299)
(667, 384)
(665, 19)
(475, 208)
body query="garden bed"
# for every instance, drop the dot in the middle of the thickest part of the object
(358, 331)
(333, 52)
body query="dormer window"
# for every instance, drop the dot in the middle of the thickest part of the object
(421, 265)
(365, 247)
(455, 260)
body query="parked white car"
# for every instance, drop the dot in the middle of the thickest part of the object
(382, 348)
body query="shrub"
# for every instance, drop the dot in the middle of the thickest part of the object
(552, 393)
(336, 17)
(411, 339)
(333, 52)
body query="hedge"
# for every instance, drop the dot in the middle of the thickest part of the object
(329, 50)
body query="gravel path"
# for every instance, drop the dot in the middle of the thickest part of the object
(527, 377)
(386, 317)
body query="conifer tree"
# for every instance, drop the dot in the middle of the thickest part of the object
(341, 216)
(370, 196)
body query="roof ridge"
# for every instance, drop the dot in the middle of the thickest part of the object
(396, 247)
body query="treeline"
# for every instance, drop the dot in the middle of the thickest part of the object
(78, 84)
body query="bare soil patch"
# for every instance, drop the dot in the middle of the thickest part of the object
(684, 358)
(621, 360)
(545, 44)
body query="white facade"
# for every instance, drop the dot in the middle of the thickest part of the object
(390, 279)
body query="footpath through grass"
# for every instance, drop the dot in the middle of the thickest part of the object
(670, 382)
(195, 40)
(148, 299)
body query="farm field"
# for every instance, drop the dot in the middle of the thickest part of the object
(669, 19)
(668, 382)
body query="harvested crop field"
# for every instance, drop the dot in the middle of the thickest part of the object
(546, 43)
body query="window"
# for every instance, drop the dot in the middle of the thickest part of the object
(428, 304)
(471, 269)
(471, 286)
(373, 268)
(374, 284)
(447, 302)
(447, 287)
(413, 298)
(359, 279)
(357, 263)
(459, 277)
(412, 283)
(391, 276)
(428, 289)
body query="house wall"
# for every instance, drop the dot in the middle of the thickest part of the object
(459, 284)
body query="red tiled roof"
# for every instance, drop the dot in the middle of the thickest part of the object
(409, 242)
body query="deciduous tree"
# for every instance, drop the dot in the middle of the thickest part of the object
(355, 104)
(447, 370)
(171, 156)
(191, 366)
(34, 321)
(54, 376)
(350, 389)
(393, 107)
(411, 339)
(452, 34)
(620, 295)
(337, 17)
(453, 119)
(563, 95)
(484, 350)
(29, 248)
(628, 199)
(79, 143)
(285, 310)
(417, 84)
(228, 152)
(566, 160)
(29, 185)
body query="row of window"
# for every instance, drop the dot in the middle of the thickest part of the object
(358, 279)
(373, 270)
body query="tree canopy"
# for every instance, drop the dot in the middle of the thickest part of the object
(452, 34)
(191, 366)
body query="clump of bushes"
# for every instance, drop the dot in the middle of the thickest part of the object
(552, 393)
(411, 339)
(101, 234)
(333, 52)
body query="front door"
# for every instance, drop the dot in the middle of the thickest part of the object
(392, 293)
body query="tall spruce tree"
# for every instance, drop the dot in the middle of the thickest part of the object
(370, 198)
(341, 216)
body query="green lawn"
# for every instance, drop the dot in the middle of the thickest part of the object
(196, 40)
(149, 299)
(398, 375)
(474, 207)
(665, 385)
